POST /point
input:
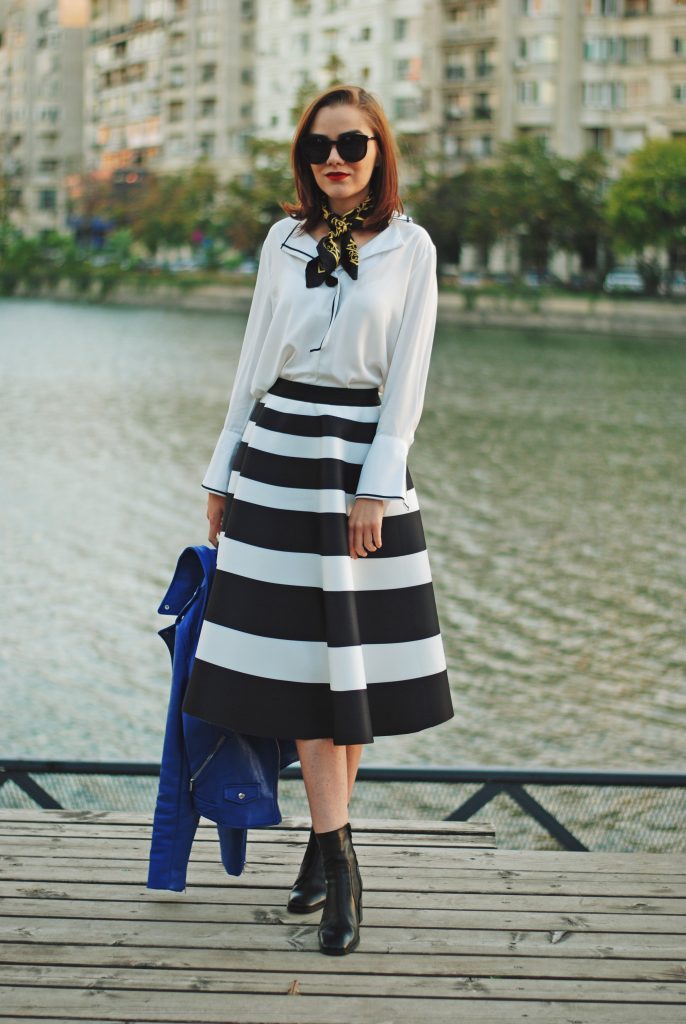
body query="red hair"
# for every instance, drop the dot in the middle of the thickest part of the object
(384, 179)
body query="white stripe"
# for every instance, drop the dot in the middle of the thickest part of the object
(306, 499)
(363, 413)
(328, 572)
(342, 668)
(302, 446)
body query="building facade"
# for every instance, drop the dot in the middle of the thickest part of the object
(167, 83)
(41, 111)
(585, 74)
(379, 44)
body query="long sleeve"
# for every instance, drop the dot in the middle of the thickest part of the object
(384, 470)
(241, 402)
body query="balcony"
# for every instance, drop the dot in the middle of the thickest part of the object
(482, 113)
(484, 70)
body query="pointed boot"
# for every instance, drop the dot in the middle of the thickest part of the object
(339, 929)
(309, 889)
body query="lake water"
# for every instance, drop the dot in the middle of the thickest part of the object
(550, 472)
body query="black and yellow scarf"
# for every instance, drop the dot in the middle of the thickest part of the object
(338, 246)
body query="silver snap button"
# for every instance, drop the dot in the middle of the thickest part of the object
(166, 607)
(241, 796)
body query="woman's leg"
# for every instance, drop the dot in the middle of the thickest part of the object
(329, 773)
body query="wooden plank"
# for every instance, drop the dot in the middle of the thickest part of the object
(398, 917)
(364, 962)
(276, 897)
(432, 880)
(117, 1005)
(462, 987)
(302, 934)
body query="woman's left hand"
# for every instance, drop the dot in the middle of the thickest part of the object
(364, 526)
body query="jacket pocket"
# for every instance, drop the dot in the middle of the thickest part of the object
(238, 794)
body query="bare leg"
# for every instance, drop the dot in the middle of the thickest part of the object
(329, 775)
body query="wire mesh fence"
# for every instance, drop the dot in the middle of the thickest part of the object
(537, 809)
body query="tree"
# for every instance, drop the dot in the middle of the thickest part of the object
(646, 206)
(251, 202)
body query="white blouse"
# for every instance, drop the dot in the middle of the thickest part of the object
(376, 331)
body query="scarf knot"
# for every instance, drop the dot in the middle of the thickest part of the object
(338, 246)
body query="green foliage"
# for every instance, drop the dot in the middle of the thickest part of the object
(251, 203)
(646, 206)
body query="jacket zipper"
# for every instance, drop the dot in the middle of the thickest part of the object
(206, 761)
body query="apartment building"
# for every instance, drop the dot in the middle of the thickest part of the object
(41, 118)
(380, 44)
(169, 82)
(603, 74)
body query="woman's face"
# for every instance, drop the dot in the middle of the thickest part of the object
(345, 192)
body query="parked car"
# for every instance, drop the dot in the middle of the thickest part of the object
(247, 267)
(534, 279)
(624, 279)
(472, 279)
(674, 284)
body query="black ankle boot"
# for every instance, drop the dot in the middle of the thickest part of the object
(309, 889)
(339, 930)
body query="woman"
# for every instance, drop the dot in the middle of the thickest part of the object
(309, 477)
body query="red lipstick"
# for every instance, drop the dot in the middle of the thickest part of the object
(337, 175)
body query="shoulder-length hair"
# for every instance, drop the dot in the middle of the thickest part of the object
(384, 179)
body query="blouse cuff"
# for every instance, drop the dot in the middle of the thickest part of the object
(384, 469)
(219, 470)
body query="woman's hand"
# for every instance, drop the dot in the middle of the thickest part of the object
(364, 526)
(215, 514)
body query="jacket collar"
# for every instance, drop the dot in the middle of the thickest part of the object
(304, 247)
(196, 565)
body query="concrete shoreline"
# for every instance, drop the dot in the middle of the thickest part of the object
(571, 313)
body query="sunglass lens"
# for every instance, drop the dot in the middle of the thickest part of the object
(351, 147)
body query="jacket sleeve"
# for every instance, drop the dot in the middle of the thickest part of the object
(241, 401)
(384, 469)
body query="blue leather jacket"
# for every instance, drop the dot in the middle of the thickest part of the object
(207, 771)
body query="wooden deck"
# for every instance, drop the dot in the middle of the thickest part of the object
(454, 930)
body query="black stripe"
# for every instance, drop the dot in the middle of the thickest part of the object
(313, 426)
(323, 533)
(338, 618)
(308, 392)
(258, 706)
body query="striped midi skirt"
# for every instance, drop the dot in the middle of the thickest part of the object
(299, 639)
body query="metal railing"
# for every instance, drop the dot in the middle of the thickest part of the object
(578, 809)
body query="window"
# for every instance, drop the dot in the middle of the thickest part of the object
(208, 72)
(527, 92)
(47, 199)
(208, 108)
(177, 78)
(400, 28)
(604, 95)
(482, 110)
(401, 70)
(679, 92)
(454, 68)
(176, 111)
(207, 145)
(406, 108)
(246, 76)
(678, 47)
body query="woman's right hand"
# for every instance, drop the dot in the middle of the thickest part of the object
(215, 513)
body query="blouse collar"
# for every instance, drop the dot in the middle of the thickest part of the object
(304, 246)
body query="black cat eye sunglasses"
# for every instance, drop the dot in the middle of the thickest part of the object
(351, 146)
